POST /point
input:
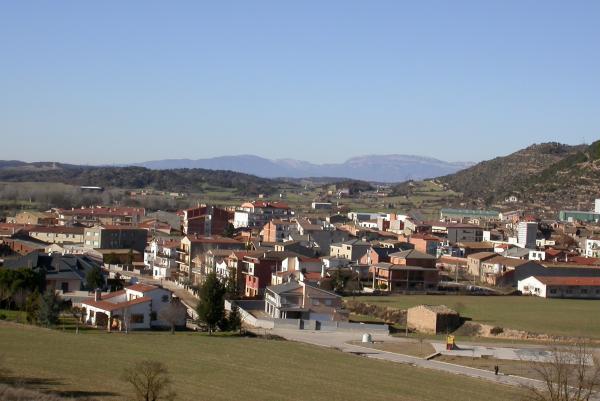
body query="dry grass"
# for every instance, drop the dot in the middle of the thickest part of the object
(225, 368)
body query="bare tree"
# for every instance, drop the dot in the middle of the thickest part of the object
(174, 313)
(571, 373)
(150, 381)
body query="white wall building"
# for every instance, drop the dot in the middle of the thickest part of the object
(592, 248)
(597, 208)
(561, 287)
(135, 307)
(527, 234)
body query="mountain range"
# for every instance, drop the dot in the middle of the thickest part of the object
(379, 168)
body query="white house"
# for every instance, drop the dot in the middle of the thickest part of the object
(161, 257)
(133, 308)
(592, 247)
(561, 287)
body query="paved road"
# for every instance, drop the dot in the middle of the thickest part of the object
(340, 341)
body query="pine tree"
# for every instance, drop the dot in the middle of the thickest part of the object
(211, 306)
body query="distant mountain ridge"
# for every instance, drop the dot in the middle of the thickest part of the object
(379, 168)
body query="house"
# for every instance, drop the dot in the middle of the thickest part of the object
(36, 218)
(278, 230)
(258, 271)
(592, 247)
(66, 273)
(57, 234)
(133, 308)
(412, 257)
(299, 300)
(391, 277)
(205, 220)
(425, 243)
(161, 257)
(493, 269)
(352, 249)
(460, 214)
(25, 245)
(115, 237)
(432, 319)
(100, 215)
(258, 213)
(561, 287)
(376, 254)
(474, 262)
(466, 248)
(457, 232)
(193, 247)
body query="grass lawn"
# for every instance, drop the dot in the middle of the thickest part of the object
(568, 317)
(224, 368)
(13, 315)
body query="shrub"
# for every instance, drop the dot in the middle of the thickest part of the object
(496, 330)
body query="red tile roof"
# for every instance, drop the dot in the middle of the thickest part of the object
(140, 287)
(109, 306)
(571, 281)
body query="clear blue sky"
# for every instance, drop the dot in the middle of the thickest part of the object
(119, 81)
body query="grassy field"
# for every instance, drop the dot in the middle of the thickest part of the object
(565, 317)
(223, 368)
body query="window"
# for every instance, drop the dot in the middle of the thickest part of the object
(165, 298)
(328, 302)
(137, 318)
(584, 291)
(315, 302)
(553, 291)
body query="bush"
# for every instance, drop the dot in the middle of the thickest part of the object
(2, 316)
(496, 330)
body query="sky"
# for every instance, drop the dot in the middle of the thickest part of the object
(127, 81)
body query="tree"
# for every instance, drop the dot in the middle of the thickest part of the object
(78, 313)
(150, 381)
(173, 314)
(211, 306)
(49, 309)
(229, 231)
(231, 285)
(94, 278)
(572, 373)
(235, 319)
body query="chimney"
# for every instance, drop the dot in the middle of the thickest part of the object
(97, 294)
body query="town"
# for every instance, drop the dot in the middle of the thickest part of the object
(361, 280)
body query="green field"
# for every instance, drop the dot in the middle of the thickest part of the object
(564, 317)
(224, 368)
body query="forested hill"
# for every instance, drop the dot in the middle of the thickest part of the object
(547, 172)
(177, 180)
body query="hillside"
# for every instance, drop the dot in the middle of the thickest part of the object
(184, 180)
(379, 168)
(541, 173)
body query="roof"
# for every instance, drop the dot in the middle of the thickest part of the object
(213, 240)
(390, 266)
(570, 281)
(438, 309)
(475, 245)
(502, 260)
(482, 255)
(285, 287)
(412, 254)
(110, 306)
(57, 230)
(140, 287)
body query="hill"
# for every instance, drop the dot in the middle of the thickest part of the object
(177, 180)
(548, 173)
(379, 168)
(224, 368)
